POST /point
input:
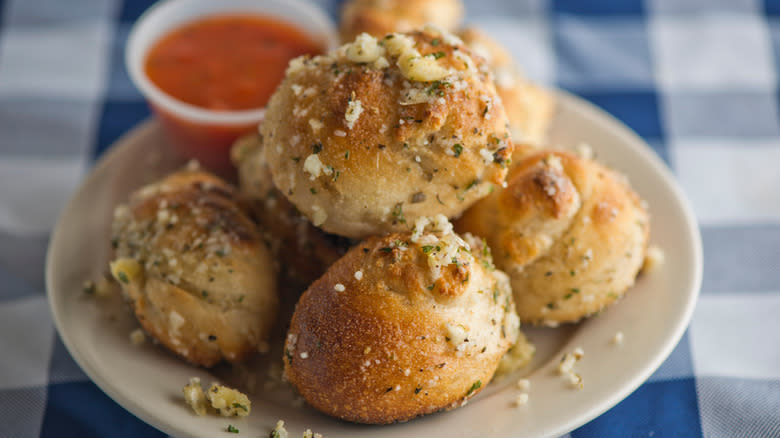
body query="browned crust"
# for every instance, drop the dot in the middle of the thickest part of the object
(359, 342)
(394, 156)
(597, 229)
(216, 199)
(225, 302)
(374, 18)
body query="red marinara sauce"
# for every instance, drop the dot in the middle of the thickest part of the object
(226, 62)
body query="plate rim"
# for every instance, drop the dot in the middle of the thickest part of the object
(100, 167)
(628, 138)
(639, 145)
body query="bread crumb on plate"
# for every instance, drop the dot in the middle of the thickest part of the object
(227, 402)
(195, 397)
(521, 400)
(524, 384)
(137, 337)
(653, 259)
(566, 368)
(279, 431)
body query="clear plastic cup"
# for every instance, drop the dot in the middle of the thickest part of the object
(196, 132)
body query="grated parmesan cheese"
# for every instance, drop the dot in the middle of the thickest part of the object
(316, 125)
(397, 43)
(176, 321)
(319, 216)
(364, 49)
(314, 167)
(457, 335)
(420, 68)
(487, 157)
(194, 396)
(354, 109)
(295, 65)
(381, 63)
(279, 431)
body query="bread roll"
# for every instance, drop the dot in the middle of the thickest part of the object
(301, 251)
(254, 177)
(529, 107)
(401, 326)
(369, 138)
(194, 268)
(380, 17)
(570, 233)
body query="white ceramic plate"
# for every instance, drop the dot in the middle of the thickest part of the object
(147, 381)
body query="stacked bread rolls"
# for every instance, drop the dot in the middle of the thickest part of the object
(365, 155)
(384, 140)
(301, 251)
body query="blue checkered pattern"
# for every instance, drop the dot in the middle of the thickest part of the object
(698, 79)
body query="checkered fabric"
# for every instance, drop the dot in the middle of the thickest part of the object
(697, 79)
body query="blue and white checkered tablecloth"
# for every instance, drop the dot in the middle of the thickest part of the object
(698, 79)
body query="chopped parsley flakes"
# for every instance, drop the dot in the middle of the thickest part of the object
(474, 387)
(123, 277)
(398, 213)
(457, 149)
